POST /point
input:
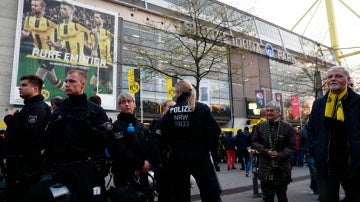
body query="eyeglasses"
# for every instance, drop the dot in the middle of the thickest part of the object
(336, 76)
(126, 101)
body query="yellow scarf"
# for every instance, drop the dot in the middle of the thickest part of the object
(334, 108)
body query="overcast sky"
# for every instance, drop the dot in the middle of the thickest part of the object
(286, 13)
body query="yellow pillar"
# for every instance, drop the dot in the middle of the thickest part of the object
(333, 29)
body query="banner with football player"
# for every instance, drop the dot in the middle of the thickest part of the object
(54, 37)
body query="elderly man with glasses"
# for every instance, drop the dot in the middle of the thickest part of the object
(334, 134)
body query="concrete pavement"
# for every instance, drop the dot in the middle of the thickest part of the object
(237, 187)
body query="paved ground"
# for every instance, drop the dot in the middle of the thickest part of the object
(237, 187)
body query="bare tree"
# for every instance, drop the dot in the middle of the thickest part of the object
(192, 40)
(307, 77)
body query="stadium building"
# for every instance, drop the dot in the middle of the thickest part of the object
(236, 61)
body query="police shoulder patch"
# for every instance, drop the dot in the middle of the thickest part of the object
(32, 119)
(108, 126)
(158, 132)
(119, 135)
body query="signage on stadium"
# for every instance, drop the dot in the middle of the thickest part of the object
(246, 44)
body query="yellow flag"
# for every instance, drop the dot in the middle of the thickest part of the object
(134, 86)
(169, 87)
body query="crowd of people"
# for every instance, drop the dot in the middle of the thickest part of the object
(67, 149)
(327, 142)
(73, 141)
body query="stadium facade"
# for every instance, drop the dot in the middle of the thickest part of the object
(265, 62)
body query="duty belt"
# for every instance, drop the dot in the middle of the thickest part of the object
(74, 162)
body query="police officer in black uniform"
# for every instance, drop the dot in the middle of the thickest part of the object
(192, 132)
(77, 135)
(160, 167)
(24, 138)
(132, 151)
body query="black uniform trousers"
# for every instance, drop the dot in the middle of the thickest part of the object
(21, 176)
(80, 178)
(163, 182)
(182, 164)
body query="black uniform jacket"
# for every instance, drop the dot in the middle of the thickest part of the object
(24, 138)
(130, 149)
(187, 129)
(25, 129)
(78, 129)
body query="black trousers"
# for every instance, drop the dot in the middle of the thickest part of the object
(184, 163)
(163, 182)
(269, 190)
(21, 175)
(82, 180)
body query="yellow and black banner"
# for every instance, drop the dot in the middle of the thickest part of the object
(134, 84)
(170, 83)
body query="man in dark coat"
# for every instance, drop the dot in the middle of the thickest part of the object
(274, 140)
(334, 133)
(161, 169)
(229, 144)
(242, 140)
(76, 137)
(24, 139)
(309, 159)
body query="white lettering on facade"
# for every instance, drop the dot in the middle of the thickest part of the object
(247, 45)
(286, 56)
(241, 43)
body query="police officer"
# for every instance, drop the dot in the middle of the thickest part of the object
(162, 176)
(192, 132)
(77, 136)
(24, 138)
(56, 102)
(132, 150)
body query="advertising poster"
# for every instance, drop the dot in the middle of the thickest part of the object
(260, 98)
(295, 106)
(252, 109)
(278, 98)
(54, 37)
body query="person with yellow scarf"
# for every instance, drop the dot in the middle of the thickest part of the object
(334, 138)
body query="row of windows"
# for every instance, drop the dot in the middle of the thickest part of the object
(297, 81)
(145, 47)
(295, 85)
(160, 44)
(269, 32)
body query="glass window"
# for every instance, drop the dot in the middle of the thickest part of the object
(268, 32)
(145, 47)
(291, 41)
(295, 85)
